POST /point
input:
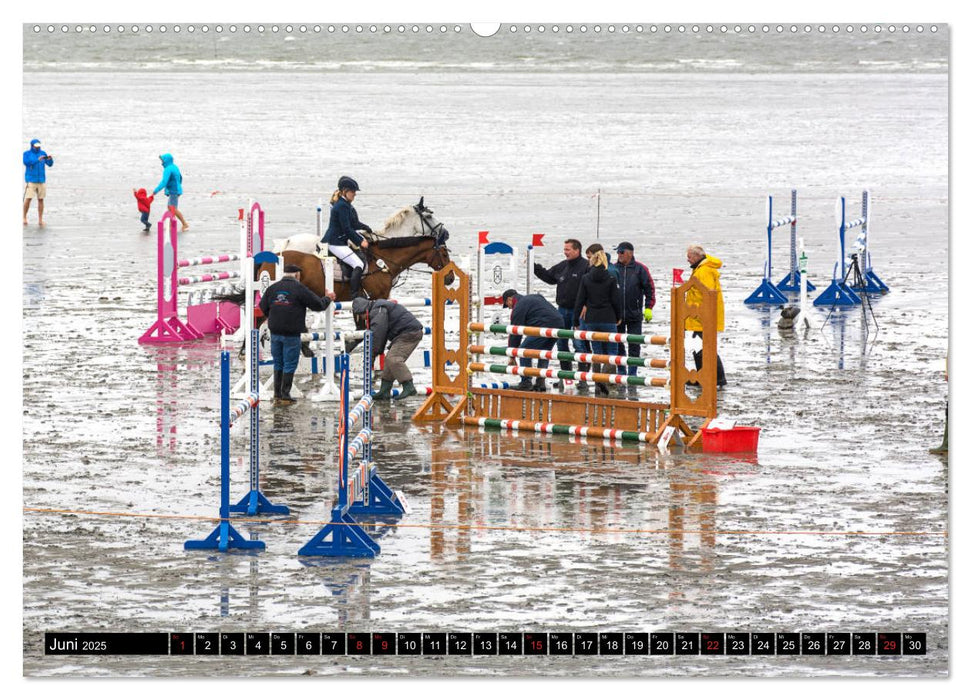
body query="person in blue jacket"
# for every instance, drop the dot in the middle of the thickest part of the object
(637, 294)
(36, 163)
(172, 183)
(531, 310)
(344, 226)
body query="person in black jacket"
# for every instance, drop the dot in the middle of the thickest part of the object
(637, 294)
(531, 310)
(285, 305)
(393, 325)
(599, 308)
(566, 276)
(343, 227)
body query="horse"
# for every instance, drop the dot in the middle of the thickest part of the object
(410, 236)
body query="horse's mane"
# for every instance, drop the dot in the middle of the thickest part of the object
(396, 219)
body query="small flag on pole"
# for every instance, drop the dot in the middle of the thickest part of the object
(483, 237)
(678, 272)
(538, 240)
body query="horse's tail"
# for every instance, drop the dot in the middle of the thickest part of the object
(236, 296)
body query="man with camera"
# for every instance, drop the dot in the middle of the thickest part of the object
(36, 163)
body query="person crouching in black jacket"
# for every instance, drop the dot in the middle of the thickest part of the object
(599, 308)
(285, 305)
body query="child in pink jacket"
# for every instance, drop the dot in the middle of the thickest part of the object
(144, 205)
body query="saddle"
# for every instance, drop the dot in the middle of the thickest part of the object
(342, 271)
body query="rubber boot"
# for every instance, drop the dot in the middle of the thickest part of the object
(600, 388)
(525, 384)
(356, 275)
(566, 366)
(582, 385)
(285, 386)
(942, 450)
(407, 389)
(722, 381)
(384, 393)
(277, 383)
(540, 384)
(697, 356)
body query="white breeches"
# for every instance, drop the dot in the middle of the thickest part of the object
(345, 254)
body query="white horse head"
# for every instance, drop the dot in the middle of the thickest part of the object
(416, 220)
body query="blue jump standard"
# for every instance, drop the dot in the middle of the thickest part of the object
(225, 536)
(344, 536)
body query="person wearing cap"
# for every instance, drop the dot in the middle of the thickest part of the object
(566, 275)
(36, 162)
(344, 227)
(172, 183)
(637, 295)
(391, 325)
(706, 268)
(285, 305)
(531, 310)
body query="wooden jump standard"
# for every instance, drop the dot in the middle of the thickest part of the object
(555, 413)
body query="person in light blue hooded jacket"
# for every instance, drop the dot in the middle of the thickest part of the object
(172, 183)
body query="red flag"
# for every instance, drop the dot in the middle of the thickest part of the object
(538, 240)
(483, 237)
(678, 272)
(240, 214)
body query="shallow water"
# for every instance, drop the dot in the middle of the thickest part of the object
(114, 427)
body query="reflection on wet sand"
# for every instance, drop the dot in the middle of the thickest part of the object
(602, 491)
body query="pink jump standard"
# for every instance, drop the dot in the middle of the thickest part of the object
(205, 318)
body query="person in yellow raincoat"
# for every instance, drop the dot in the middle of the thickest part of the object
(706, 269)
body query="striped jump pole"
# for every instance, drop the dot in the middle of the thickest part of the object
(360, 491)
(556, 429)
(586, 357)
(767, 292)
(597, 377)
(254, 502)
(839, 292)
(225, 536)
(600, 336)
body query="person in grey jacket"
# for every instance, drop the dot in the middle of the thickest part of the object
(391, 325)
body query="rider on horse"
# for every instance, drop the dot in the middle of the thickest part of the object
(344, 226)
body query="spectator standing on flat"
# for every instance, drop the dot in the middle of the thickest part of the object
(566, 275)
(285, 305)
(531, 310)
(707, 269)
(171, 182)
(599, 308)
(394, 326)
(637, 295)
(144, 205)
(36, 162)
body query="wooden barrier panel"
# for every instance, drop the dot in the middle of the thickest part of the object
(564, 413)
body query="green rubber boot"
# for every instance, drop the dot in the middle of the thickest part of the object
(407, 389)
(384, 393)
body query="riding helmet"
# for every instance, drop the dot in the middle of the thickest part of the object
(347, 183)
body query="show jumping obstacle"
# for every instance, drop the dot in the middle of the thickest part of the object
(768, 293)
(843, 291)
(568, 414)
(360, 491)
(207, 317)
(225, 536)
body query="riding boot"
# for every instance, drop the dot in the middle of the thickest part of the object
(540, 384)
(525, 384)
(582, 384)
(407, 389)
(286, 385)
(566, 366)
(277, 382)
(356, 275)
(384, 393)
